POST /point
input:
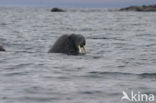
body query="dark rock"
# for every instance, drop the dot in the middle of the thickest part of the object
(1, 48)
(140, 8)
(57, 10)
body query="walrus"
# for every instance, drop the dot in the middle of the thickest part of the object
(69, 44)
(1, 48)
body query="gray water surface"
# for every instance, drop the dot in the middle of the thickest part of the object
(121, 56)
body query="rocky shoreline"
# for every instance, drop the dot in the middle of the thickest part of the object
(57, 10)
(146, 8)
(1, 48)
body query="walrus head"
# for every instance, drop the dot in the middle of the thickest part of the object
(79, 42)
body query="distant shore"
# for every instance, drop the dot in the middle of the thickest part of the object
(145, 8)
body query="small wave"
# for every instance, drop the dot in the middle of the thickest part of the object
(18, 66)
(146, 75)
(91, 92)
(16, 74)
(142, 75)
(3, 24)
(111, 73)
(109, 38)
(99, 38)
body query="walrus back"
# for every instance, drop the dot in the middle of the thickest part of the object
(61, 45)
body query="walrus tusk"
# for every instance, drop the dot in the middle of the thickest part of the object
(79, 49)
(84, 48)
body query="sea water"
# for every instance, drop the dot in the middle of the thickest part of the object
(121, 55)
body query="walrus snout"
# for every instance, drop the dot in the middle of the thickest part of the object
(84, 48)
